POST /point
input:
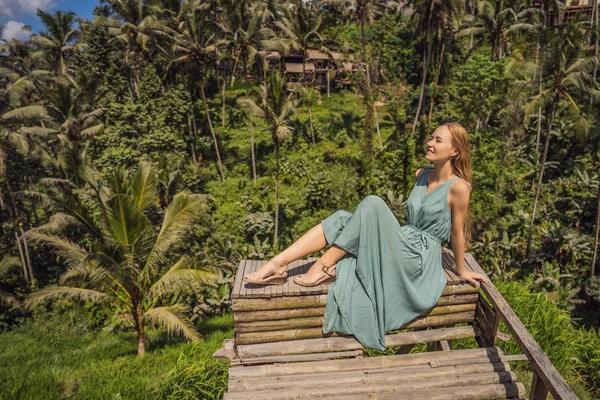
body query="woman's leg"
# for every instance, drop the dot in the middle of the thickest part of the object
(309, 243)
(343, 232)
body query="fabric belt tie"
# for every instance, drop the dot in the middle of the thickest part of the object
(425, 236)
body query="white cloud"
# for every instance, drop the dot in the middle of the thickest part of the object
(14, 30)
(17, 7)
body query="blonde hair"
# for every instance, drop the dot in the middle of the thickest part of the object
(461, 166)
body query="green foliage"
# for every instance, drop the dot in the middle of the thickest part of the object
(57, 356)
(191, 379)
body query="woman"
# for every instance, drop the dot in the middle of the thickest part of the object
(388, 274)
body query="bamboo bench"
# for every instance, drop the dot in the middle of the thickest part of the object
(279, 346)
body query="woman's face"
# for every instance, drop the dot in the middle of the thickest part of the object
(439, 146)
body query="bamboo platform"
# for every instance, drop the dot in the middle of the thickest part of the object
(456, 374)
(273, 313)
(280, 352)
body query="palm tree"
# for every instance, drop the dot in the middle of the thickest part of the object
(496, 20)
(127, 260)
(195, 45)
(307, 97)
(134, 23)
(363, 12)
(277, 108)
(565, 73)
(433, 18)
(58, 40)
(302, 28)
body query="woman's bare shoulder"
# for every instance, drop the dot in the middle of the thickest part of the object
(419, 171)
(460, 187)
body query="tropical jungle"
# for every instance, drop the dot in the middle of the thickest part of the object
(145, 151)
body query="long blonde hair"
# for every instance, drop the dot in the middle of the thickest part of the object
(461, 166)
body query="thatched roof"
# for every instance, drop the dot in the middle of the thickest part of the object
(270, 54)
(318, 55)
(296, 68)
(347, 66)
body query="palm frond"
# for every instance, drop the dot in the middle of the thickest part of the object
(69, 251)
(38, 131)
(25, 113)
(180, 215)
(144, 186)
(251, 106)
(57, 223)
(57, 292)
(8, 300)
(9, 262)
(173, 319)
(179, 276)
(92, 130)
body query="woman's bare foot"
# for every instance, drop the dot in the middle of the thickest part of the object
(273, 271)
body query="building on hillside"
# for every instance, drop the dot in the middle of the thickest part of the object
(572, 8)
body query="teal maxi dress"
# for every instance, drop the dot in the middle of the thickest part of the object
(391, 273)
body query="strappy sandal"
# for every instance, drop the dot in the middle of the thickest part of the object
(276, 278)
(329, 271)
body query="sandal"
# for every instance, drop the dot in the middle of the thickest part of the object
(329, 271)
(275, 278)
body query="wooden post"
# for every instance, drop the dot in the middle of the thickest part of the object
(538, 389)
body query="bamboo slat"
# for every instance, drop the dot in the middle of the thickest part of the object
(364, 364)
(371, 383)
(453, 278)
(312, 317)
(373, 376)
(237, 283)
(504, 390)
(397, 386)
(243, 289)
(283, 324)
(270, 315)
(298, 358)
(311, 301)
(346, 343)
(306, 333)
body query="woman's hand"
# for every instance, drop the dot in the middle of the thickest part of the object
(472, 277)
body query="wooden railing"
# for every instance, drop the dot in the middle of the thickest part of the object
(545, 377)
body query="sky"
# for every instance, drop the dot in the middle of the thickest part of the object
(14, 14)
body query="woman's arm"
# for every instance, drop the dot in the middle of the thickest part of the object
(459, 203)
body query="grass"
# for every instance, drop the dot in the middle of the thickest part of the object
(52, 362)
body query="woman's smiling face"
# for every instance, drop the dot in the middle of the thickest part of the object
(439, 146)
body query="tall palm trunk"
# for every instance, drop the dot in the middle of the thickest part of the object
(251, 132)
(426, 59)
(435, 82)
(139, 327)
(23, 261)
(212, 132)
(377, 126)
(276, 192)
(539, 128)
(192, 138)
(252, 150)
(223, 102)
(595, 254)
(541, 174)
(595, 44)
(312, 130)
(367, 145)
(21, 241)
